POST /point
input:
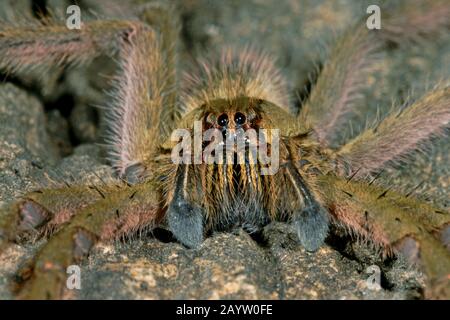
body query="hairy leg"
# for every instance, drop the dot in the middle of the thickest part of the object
(118, 213)
(338, 89)
(143, 88)
(43, 211)
(165, 19)
(397, 135)
(395, 223)
(340, 83)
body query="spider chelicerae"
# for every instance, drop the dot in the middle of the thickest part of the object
(314, 187)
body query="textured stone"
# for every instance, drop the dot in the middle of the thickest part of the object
(231, 266)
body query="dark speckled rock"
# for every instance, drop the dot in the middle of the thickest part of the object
(25, 145)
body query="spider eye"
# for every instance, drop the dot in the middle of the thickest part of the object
(222, 120)
(239, 118)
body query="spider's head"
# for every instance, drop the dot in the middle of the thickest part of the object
(237, 126)
(243, 129)
(233, 119)
(246, 116)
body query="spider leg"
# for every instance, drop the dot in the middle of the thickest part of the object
(116, 214)
(43, 211)
(396, 223)
(143, 88)
(396, 135)
(164, 19)
(340, 83)
(338, 89)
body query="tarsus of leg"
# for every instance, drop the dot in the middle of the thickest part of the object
(117, 214)
(42, 212)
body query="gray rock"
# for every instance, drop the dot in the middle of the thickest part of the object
(25, 146)
(231, 266)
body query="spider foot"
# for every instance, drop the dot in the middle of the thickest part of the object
(19, 219)
(32, 215)
(134, 173)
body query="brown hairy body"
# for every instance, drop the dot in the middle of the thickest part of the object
(314, 187)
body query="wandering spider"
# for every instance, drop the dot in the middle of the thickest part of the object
(316, 185)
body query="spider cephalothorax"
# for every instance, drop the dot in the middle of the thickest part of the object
(229, 149)
(236, 181)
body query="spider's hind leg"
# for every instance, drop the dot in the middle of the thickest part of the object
(396, 223)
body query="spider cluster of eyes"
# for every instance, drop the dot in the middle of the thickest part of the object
(225, 144)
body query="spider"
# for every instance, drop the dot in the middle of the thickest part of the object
(315, 187)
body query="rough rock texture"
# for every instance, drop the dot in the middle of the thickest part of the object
(25, 144)
(234, 266)
(47, 130)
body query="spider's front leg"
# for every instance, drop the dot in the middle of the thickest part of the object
(117, 212)
(396, 223)
(43, 211)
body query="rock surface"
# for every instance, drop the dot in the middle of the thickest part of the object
(36, 142)
(235, 266)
